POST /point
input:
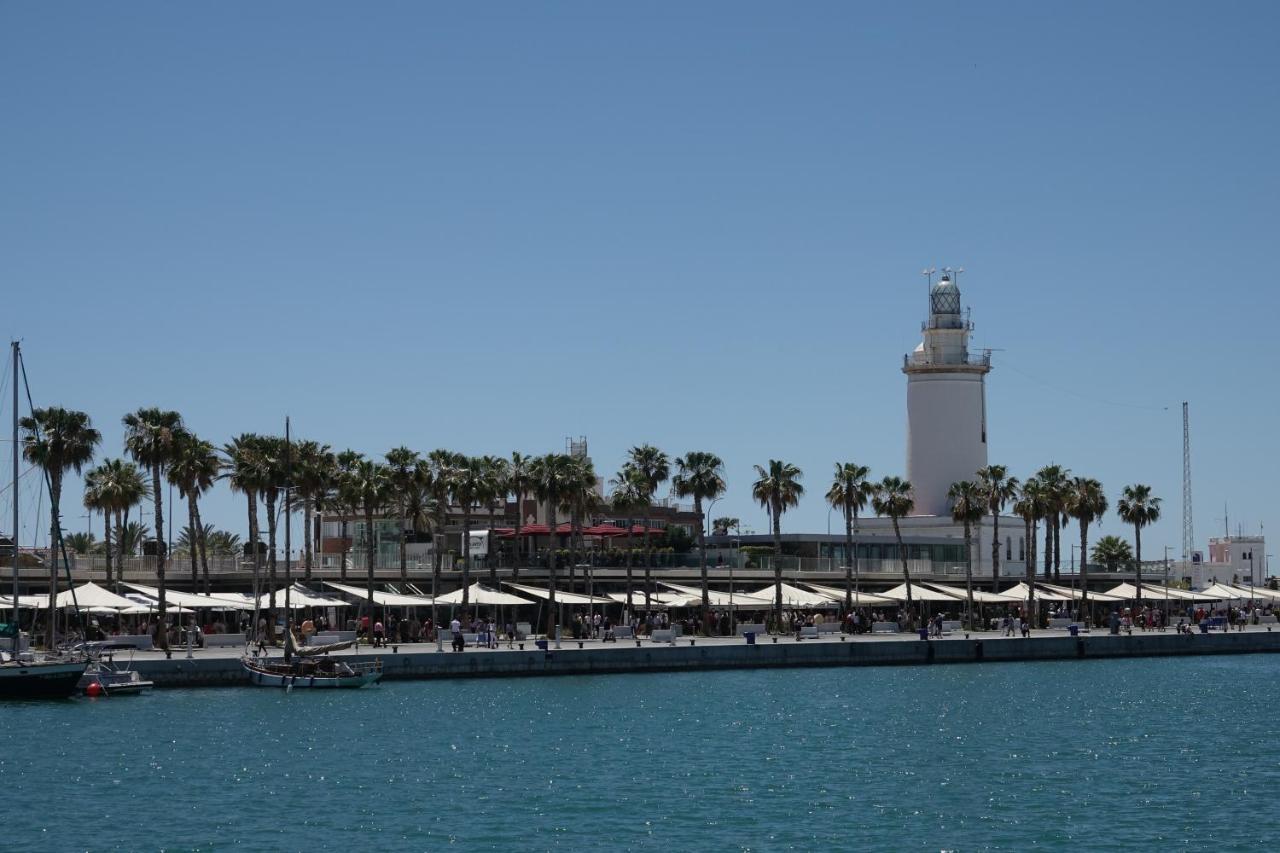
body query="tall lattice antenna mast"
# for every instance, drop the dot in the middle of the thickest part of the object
(1188, 530)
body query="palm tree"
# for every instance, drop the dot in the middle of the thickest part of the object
(189, 539)
(649, 468)
(272, 450)
(1055, 483)
(700, 475)
(464, 489)
(968, 507)
(493, 494)
(1030, 508)
(999, 488)
(402, 478)
(58, 440)
(1087, 503)
(721, 526)
(131, 536)
(370, 483)
(893, 498)
(519, 484)
(223, 543)
(80, 543)
(777, 488)
(627, 499)
(123, 486)
(95, 500)
(245, 469)
(1112, 552)
(850, 491)
(150, 436)
(344, 498)
(193, 469)
(1137, 506)
(314, 468)
(580, 501)
(552, 477)
(443, 465)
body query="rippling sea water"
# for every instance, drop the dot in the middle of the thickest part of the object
(1132, 754)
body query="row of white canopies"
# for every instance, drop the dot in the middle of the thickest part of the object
(144, 599)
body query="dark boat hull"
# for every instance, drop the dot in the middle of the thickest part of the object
(40, 681)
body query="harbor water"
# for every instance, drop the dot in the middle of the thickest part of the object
(1135, 753)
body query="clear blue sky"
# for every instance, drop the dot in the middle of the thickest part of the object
(491, 226)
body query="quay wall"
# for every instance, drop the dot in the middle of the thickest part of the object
(786, 652)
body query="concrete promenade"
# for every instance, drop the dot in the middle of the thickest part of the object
(214, 667)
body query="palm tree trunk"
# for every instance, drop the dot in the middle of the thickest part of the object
(55, 535)
(490, 556)
(1057, 547)
(1084, 567)
(775, 511)
(106, 537)
(306, 539)
(902, 554)
(162, 631)
(192, 540)
(968, 569)
(630, 563)
(995, 551)
(552, 621)
(404, 547)
(848, 558)
(204, 549)
(648, 567)
(466, 556)
(518, 541)
(370, 553)
(1048, 549)
(346, 547)
(251, 498)
(271, 564)
(1137, 562)
(119, 548)
(702, 550)
(857, 577)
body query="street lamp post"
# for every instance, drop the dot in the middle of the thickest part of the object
(733, 614)
(1166, 584)
(706, 518)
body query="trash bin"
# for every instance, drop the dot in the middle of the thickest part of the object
(1074, 629)
(751, 637)
(542, 644)
(924, 633)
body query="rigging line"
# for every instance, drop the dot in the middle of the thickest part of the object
(7, 486)
(1078, 395)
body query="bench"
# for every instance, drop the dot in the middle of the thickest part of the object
(756, 628)
(884, 627)
(949, 625)
(222, 641)
(523, 630)
(325, 637)
(141, 642)
(662, 635)
(623, 632)
(809, 632)
(1061, 623)
(829, 628)
(1267, 619)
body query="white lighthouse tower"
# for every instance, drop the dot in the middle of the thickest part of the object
(946, 403)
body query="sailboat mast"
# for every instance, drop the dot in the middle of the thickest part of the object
(17, 632)
(288, 522)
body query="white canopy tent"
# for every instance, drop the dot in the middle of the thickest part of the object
(562, 597)
(979, 595)
(919, 592)
(859, 598)
(1019, 591)
(721, 598)
(1155, 592)
(1076, 594)
(1227, 592)
(29, 602)
(90, 595)
(794, 596)
(484, 597)
(191, 600)
(1257, 593)
(658, 599)
(382, 599)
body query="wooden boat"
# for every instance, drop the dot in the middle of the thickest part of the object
(311, 672)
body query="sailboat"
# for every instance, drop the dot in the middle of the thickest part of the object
(304, 667)
(25, 674)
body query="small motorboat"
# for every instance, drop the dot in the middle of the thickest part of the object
(105, 678)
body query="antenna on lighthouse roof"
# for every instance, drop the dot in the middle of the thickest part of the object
(928, 281)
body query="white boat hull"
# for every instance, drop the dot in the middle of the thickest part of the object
(359, 675)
